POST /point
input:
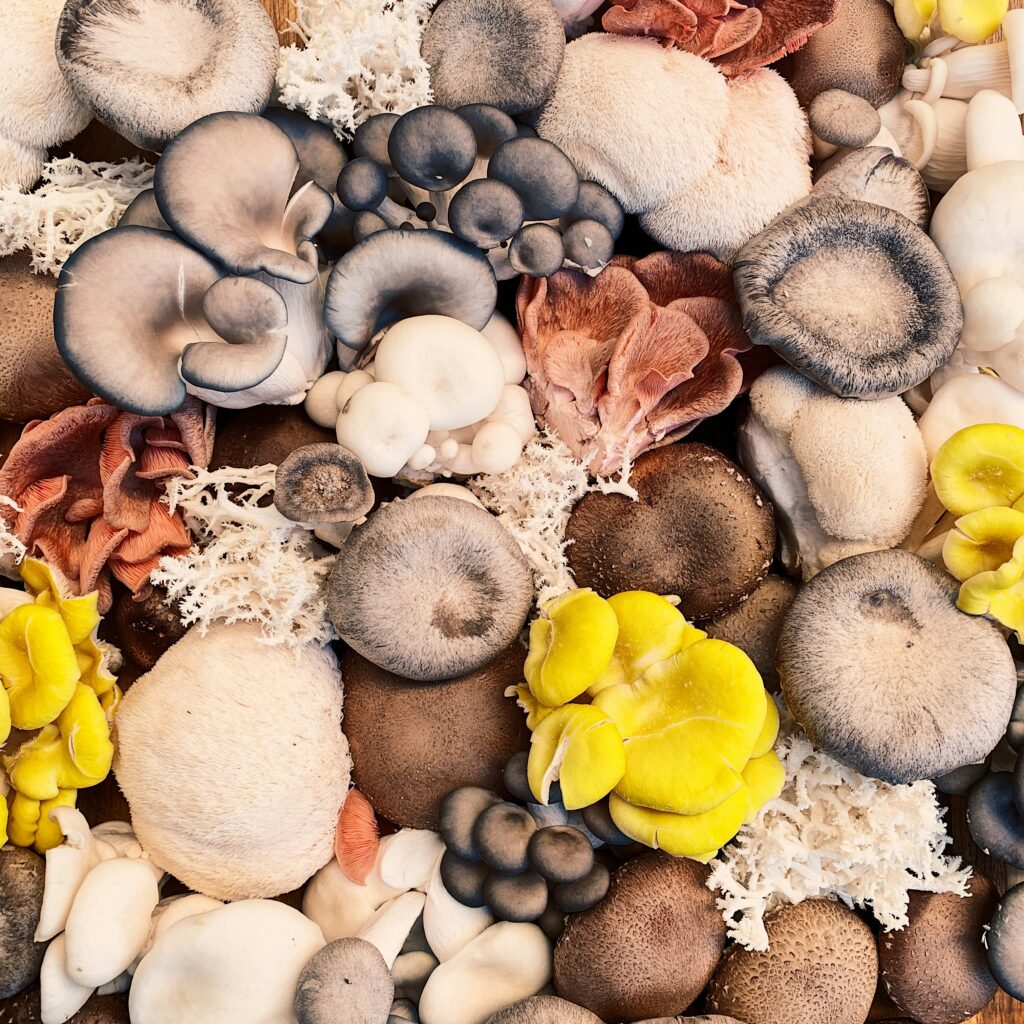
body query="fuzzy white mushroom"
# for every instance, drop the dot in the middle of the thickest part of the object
(340, 906)
(391, 924)
(383, 425)
(447, 924)
(60, 997)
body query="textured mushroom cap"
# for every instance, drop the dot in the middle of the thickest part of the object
(755, 623)
(1005, 941)
(501, 835)
(217, 795)
(537, 250)
(144, 212)
(505, 53)
(648, 948)
(862, 51)
(540, 172)
(701, 530)
(219, 55)
(822, 965)
(321, 156)
(432, 147)
(561, 853)
(884, 673)
(485, 212)
(34, 381)
(543, 1010)
(430, 589)
(960, 780)
(264, 435)
(412, 745)
(522, 897)
(346, 980)
(852, 294)
(143, 629)
(935, 969)
(996, 824)
(322, 483)
(362, 184)
(843, 118)
(21, 899)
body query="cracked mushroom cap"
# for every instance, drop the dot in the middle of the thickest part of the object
(21, 899)
(854, 295)
(702, 530)
(886, 674)
(218, 55)
(821, 965)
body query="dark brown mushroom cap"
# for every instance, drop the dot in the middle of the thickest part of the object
(1005, 941)
(886, 674)
(702, 529)
(412, 744)
(21, 898)
(853, 294)
(543, 1010)
(520, 898)
(143, 629)
(34, 381)
(755, 623)
(648, 948)
(935, 969)
(263, 435)
(821, 965)
(322, 483)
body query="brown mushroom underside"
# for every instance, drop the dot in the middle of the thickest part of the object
(264, 435)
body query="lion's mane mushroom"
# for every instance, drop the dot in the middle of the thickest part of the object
(219, 55)
(852, 294)
(884, 673)
(818, 458)
(21, 897)
(1005, 941)
(216, 794)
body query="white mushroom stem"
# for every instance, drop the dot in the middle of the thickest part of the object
(340, 906)
(993, 131)
(924, 114)
(390, 926)
(60, 998)
(407, 858)
(397, 215)
(447, 924)
(1013, 31)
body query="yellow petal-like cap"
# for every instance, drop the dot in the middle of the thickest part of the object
(3, 820)
(24, 818)
(535, 711)
(973, 21)
(30, 823)
(982, 541)
(48, 833)
(84, 728)
(579, 747)
(5, 716)
(34, 769)
(769, 731)
(979, 467)
(651, 629)
(764, 777)
(80, 613)
(999, 593)
(94, 665)
(913, 16)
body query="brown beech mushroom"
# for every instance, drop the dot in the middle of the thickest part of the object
(322, 483)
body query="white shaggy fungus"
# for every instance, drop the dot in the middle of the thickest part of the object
(12, 551)
(835, 833)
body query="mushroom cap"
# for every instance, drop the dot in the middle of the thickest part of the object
(537, 250)
(322, 483)
(543, 1010)
(346, 980)
(515, 779)
(490, 125)
(21, 897)
(595, 202)
(701, 530)
(584, 893)
(219, 55)
(935, 969)
(501, 835)
(362, 184)
(843, 118)
(1005, 941)
(561, 853)
(540, 172)
(1015, 730)
(995, 821)
(412, 745)
(505, 53)
(432, 147)
(458, 816)
(884, 673)
(395, 274)
(35, 382)
(821, 965)
(648, 948)
(144, 212)
(464, 879)
(430, 589)
(485, 212)
(263, 435)
(521, 897)
(321, 156)
(598, 819)
(371, 137)
(588, 244)
(852, 294)
(959, 781)
(144, 628)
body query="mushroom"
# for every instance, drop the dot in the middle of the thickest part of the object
(540, 173)
(959, 781)
(322, 483)
(561, 853)
(389, 927)
(1004, 940)
(357, 840)
(429, 589)
(321, 155)
(841, 119)
(521, 897)
(411, 971)
(239, 963)
(168, 912)
(584, 893)
(543, 1010)
(219, 56)
(143, 212)
(60, 996)
(885, 674)
(460, 811)
(995, 819)
(408, 857)
(1015, 730)
(143, 627)
(21, 896)
(264, 435)
(965, 400)
(537, 250)
(501, 835)
(347, 979)
(598, 820)
(341, 906)
(464, 879)
(487, 212)
(449, 927)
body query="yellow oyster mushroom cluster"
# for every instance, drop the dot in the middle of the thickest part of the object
(57, 703)
(971, 21)
(628, 700)
(978, 475)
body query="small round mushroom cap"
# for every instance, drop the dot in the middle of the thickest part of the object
(362, 184)
(144, 629)
(366, 223)
(505, 53)
(1005, 941)
(1015, 730)
(371, 137)
(540, 172)
(322, 483)
(588, 244)
(515, 779)
(21, 899)
(426, 212)
(490, 125)
(561, 853)
(584, 893)
(821, 965)
(935, 969)
(522, 897)
(348, 980)
(854, 295)
(430, 589)
(598, 819)
(843, 118)
(996, 825)
(464, 879)
(537, 251)
(959, 781)
(321, 156)
(543, 1010)
(459, 812)
(432, 147)
(886, 674)
(702, 530)
(502, 835)
(144, 212)
(485, 213)
(218, 55)
(595, 202)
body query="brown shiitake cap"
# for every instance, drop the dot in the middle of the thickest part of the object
(264, 435)
(821, 965)
(322, 483)
(935, 969)
(648, 948)
(701, 529)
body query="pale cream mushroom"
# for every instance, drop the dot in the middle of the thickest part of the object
(60, 997)
(391, 924)
(383, 424)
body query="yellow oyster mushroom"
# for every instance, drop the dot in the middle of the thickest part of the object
(535, 711)
(982, 541)
(3, 820)
(973, 21)
(913, 16)
(80, 613)
(764, 778)
(769, 731)
(689, 726)
(5, 716)
(998, 593)
(38, 665)
(571, 644)
(94, 665)
(651, 629)
(31, 824)
(979, 467)
(580, 748)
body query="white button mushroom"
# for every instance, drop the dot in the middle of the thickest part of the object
(422, 457)
(509, 346)
(319, 404)
(496, 447)
(382, 425)
(60, 998)
(350, 385)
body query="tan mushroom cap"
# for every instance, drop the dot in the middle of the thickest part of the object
(648, 948)
(34, 380)
(935, 969)
(822, 965)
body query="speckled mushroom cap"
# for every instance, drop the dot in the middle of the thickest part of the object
(21, 898)
(884, 673)
(413, 744)
(648, 948)
(935, 969)
(34, 381)
(543, 1010)
(821, 965)
(702, 530)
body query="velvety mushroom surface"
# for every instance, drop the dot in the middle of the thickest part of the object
(543, 1010)
(21, 898)
(1005, 941)
(348, 980)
